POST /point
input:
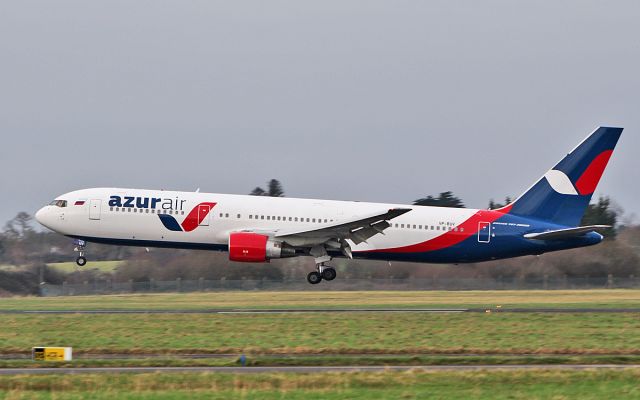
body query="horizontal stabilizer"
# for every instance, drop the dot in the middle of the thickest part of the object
(565, 233)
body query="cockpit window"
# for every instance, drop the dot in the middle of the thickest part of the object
(58, 203)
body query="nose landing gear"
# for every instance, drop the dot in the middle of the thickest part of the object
(80, 245)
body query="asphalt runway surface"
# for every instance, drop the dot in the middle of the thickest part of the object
(311, 369)
(331, 310)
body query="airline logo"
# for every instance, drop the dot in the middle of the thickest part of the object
(560, 182)
(586, 183)
(194, 219)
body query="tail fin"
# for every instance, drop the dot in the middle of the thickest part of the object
(562, 195)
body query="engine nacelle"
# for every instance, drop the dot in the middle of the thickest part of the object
(254, 247)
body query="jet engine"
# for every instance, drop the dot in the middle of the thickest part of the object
(254, 247)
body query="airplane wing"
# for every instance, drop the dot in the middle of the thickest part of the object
(565, 233)
(357, 229)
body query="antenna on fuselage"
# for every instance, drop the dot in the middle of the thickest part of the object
(198, 190)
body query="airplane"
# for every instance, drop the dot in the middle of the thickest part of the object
(257, 229)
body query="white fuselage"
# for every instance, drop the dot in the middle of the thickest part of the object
(98, 216)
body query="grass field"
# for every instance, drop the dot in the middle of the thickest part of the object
(329, 299)
(320, 338)
(329, 333)
(318, 333)
(103, 266)
(385, 385)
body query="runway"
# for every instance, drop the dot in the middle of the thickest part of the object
(311, 369)
(331, 310)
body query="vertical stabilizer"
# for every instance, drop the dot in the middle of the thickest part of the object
(562, 195)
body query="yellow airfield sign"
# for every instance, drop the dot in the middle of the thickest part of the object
(51, 353)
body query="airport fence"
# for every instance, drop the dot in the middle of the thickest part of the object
(203, 285)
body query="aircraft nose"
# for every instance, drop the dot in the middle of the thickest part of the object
(43, 216)
(39, 215)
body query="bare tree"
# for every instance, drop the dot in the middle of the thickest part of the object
(19, 226)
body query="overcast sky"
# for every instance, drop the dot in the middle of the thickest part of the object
(357, 100)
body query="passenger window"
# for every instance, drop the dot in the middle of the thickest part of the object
(238, 216)
(278, 218)
(268, 218)
(296, 219)
(414, 227)
(401, 225)
(226, 215)
(262, 217)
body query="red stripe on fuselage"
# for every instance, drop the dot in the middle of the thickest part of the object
(195, 217)
(589, 179)
(465, 230)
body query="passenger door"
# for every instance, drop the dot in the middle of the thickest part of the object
(484, 232)
(95, 206)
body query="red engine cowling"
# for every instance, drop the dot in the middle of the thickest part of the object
(254, 247)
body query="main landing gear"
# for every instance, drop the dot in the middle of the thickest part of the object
(79, 248)
(323, 272)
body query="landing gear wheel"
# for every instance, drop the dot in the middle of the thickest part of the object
(81, 261)
(329, 274)
(314, 277)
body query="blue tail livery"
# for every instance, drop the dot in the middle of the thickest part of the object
(562, 195)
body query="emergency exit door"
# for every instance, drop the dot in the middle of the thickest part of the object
(95, 206)
(484, 232)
